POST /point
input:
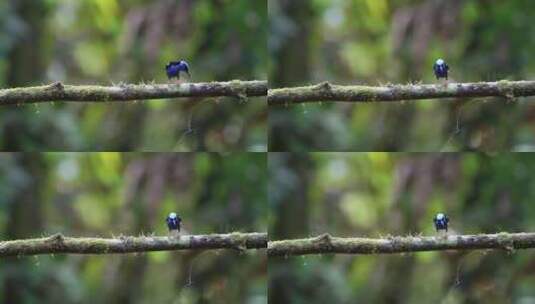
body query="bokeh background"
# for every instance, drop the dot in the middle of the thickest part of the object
(117, 41)
(381, 194)
(376, 42)
(113, 194)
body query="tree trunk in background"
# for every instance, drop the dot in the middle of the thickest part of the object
(26, 63)
(291, 62)
(26, 66)
(24, 221)
(291, 216)
(292, 209)
(26, 59)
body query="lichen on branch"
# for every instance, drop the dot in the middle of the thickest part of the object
(361, 93)
(57, 244)
(326, 243)
(125, 92)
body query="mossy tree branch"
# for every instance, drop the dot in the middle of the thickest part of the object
(60, 92)
(58, 244)
(325, 244)
(330, 92)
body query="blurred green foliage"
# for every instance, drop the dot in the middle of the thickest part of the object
(377, 42)
(382, 194)
(113, 194)
(112, 42)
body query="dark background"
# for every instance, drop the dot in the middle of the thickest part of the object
(381, 194)
(377, 42)
(114, 194)
(117, 41)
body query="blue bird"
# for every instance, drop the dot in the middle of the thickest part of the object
(174, 68)
(441, 222)
(441, 69)
(173, 223)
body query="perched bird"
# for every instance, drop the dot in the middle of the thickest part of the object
(441, 69)
(441, 222)
(173, 223)
(174, 68)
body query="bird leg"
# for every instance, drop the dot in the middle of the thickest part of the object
(175, 233)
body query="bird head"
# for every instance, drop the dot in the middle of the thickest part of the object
(183, 66)
(173, 221)
(441, 219)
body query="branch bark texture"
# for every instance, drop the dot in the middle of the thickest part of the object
(325, 244)
(85, 93)
(330, 92)
(58, 244)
